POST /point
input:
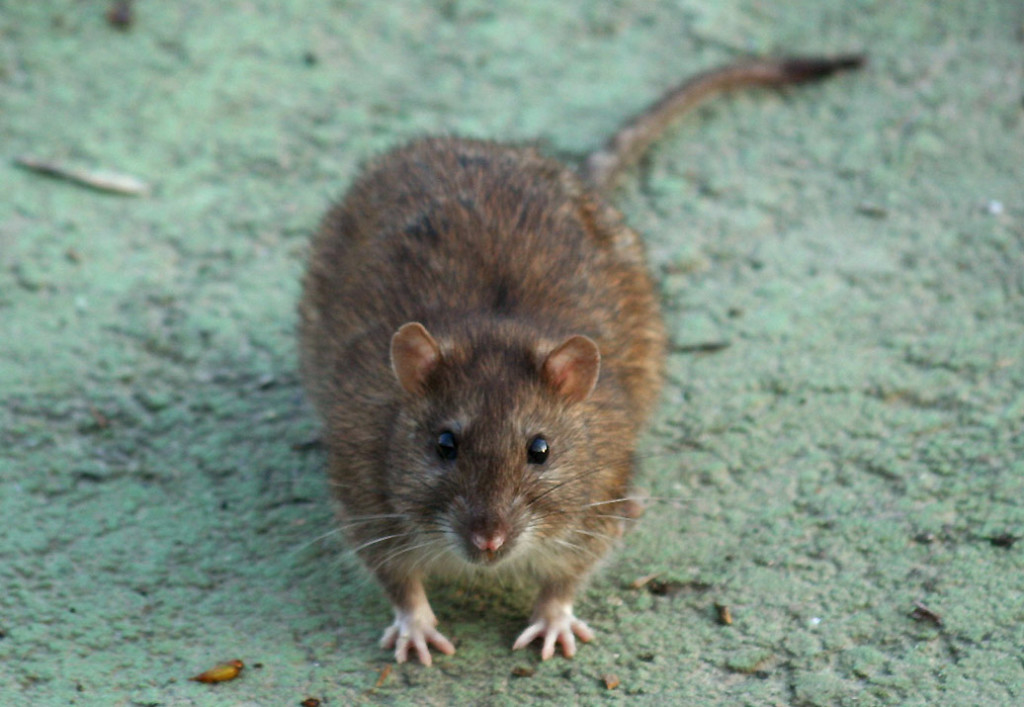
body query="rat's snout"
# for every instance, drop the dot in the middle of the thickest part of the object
(489, 542)
(488, 537)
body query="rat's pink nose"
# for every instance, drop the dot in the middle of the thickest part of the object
(490, 542)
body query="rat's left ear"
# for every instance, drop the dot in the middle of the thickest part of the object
(414, 355)
(573, 367)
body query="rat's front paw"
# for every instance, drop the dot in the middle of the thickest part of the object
(416, 629)
(556, 623)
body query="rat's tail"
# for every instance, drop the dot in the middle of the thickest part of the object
(603, 167)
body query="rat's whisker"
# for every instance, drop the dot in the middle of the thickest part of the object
(573, 479)
(384, 538)
(599, 536)
(348, 523)
(628, 519)
(402, 550)
(317, 539)
(605, 503)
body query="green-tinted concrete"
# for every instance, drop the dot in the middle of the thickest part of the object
(860, 245)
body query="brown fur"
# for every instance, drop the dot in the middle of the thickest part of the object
(502, 256)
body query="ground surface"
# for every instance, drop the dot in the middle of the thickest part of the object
(856, 446)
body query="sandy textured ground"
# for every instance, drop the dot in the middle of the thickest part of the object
(856, 447)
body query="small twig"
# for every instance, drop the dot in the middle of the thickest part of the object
(702, 347)
(101, 180)
(872, 210)
(641, 582)
(923, 613)
(1003, 540)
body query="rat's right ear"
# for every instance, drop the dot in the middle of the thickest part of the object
(414, 355)
(572, 369)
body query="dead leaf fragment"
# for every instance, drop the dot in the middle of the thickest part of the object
(385, 671)
(724, 614)
(221, 673)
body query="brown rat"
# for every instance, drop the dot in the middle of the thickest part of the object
(480, 334)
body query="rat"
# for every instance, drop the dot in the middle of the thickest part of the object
(481, 337)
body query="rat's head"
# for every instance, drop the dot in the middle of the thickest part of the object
(491, 455)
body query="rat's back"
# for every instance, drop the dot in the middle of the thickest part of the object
(446, 231)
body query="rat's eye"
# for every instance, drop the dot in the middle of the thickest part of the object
(537, 452)
(446, 448)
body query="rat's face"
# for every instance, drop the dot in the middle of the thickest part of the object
(500, 472)
(490, 458)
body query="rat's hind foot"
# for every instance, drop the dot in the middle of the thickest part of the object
(554, 621)
(415, 629)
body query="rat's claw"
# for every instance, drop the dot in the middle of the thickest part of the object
(557, 624)
(415, 629)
